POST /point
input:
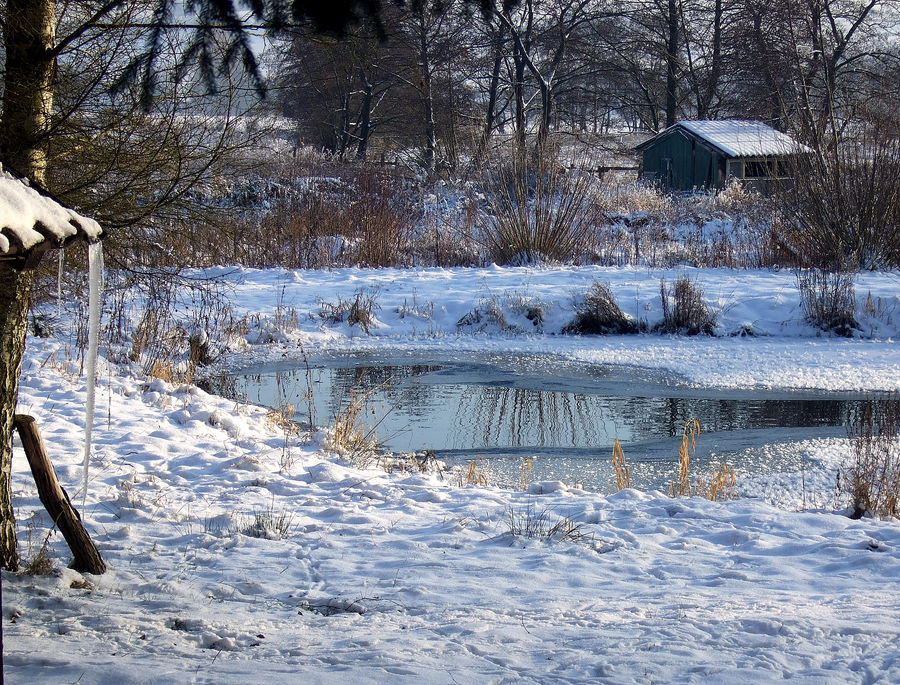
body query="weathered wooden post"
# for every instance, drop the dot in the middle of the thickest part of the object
(56, 501)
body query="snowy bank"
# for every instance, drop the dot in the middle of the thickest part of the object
(240, 551)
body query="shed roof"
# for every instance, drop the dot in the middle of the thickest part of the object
(31, 222)
(737, 137)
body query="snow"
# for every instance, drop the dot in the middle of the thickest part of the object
(23, 210)
(400, 577)
(741, 138)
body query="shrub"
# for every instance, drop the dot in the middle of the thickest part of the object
(685, 313)
(163, 345)
(599, 314)
(843, 208)
(873, 478)
(828, 300)
(536, 210)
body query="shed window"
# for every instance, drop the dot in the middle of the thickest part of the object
(758, 168)
(765, 168)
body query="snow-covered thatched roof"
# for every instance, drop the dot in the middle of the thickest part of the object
(738, 137)
(31, 223)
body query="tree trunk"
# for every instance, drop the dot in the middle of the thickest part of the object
(519, 91)
(490, 116)
(427, 96)
(672, 63)
(364, 128)
(27, 102)
(15, 290)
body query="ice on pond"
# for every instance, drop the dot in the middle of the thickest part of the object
(559, 418)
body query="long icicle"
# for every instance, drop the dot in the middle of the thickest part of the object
(95, 286)
(59, 277)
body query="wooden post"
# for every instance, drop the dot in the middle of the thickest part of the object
(56, 501)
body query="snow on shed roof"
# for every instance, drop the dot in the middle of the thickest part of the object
(31, 222)
(740, 138)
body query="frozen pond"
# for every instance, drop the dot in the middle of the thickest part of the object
(561, 415)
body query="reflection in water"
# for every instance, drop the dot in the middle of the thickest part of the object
(505, 414)
(518, 417)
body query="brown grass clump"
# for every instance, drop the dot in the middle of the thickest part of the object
(873, 478)
(719, 486)
(681, 486)
(683, 309)
(599, 314)
(281, 417)
(525, 469)
(350, 435)
(40, 563)
(473, 474)
(623, 473)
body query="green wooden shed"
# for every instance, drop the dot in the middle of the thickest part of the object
(694, 155)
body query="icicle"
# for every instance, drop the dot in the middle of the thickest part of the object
(95, 283)
(59, 275)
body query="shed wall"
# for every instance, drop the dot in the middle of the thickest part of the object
(690, 163)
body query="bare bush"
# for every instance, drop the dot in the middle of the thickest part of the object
(828, 300)
(844, 207)
(143, 323)
(598, 314)
(872, 480)
(318, 215)
(536, 210)
(684, 311)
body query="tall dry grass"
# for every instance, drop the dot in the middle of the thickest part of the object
(872, 478)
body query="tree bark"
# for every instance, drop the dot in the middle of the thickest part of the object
(27, 101)
(15, 291)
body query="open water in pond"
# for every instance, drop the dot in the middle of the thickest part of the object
(561, 415)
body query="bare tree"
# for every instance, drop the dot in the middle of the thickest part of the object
(333, 88)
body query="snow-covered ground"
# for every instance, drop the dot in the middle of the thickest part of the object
(401, 577)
